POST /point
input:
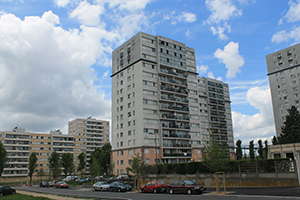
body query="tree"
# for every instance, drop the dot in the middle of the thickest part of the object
(105, 157)
(41, 173)
(260, 149)
(67, 163)
(266, 149)
(239, 153)
(251, 150)
(3, 157)
(137, 166)
(216, 157)
(95, 167)
(274, 140)
(81, 157)
(290, 130)
(32, 164)
(54, 164)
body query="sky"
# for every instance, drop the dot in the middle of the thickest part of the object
(55, 55)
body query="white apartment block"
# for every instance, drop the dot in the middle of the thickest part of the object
(284, 77)
(160, 106)
(85, 135)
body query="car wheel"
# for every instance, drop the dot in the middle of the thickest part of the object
(1, 194)
(13, 192)
(111, 190)
(171, 191)
(154, 191)
(119, 190)
(189, 191)
(143, 191)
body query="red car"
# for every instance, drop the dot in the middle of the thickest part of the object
(154, 186)
(185, 186)
(61, 184)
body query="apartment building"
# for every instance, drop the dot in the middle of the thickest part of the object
(85, 135)
(157, 109)
(284, 77)
(89, 134)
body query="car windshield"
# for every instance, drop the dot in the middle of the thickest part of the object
(189, 182)
(161, 183)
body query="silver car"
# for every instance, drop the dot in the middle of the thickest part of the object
(101, 185)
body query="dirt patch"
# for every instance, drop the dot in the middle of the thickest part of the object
(50, 196)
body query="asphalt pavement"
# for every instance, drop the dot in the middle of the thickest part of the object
(265, 191)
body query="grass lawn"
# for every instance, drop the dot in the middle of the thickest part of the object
(23, 197)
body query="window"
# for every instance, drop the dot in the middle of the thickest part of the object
(147, 161)
(129, 152)
(129, 133)
(121, 82)
(129, 105)
(122, 162)
(147, 151)
(122, 153)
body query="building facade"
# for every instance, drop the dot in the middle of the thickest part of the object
(85, 135)
(157, 109)
(284, 77)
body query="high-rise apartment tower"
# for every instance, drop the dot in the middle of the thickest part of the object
(161, 109)
(284, 77)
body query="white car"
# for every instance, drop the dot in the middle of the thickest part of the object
(102, 186)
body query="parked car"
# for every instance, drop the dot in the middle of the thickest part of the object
(81, 180)
(5, 190)
(185, 186)
(61, 184)
(119, 186)
(44, 184)
(101, 185)
(122, 177)
(154, 186)
(70, 178)
(51, 183)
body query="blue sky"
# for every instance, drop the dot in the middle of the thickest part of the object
(55, 56)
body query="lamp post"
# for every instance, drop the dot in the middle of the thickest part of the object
(156, 158)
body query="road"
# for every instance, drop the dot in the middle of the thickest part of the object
(232, 194)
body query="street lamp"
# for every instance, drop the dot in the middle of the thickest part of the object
(155, 156)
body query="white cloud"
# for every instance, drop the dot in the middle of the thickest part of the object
(62, 3)
(259, 125)
(188, 33)
(220, 78)
(222, 11)
(188, 17)
(88, 14)
(202, 69)
(50, 17)
(131, 5)
(46, 77)
(219, 31)
(231, 57)
(211, 75)
(183, 17)
(132, 23)
(283, 35)
(293, 14)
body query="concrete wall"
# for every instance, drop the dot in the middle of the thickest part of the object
(233, 179)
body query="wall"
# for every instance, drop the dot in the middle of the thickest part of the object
(233, 179)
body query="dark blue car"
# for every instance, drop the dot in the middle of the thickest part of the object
(5, 190)
(119, 187)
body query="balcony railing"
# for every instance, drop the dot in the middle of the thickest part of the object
(173, 81)
(175, 126)
(176, 136)
(174, 107)
(172, 72)
(171, 116)
(177, 90)
(177, 145)
(177, 99)
(177, 155)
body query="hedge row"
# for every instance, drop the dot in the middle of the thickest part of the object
(194, 167)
